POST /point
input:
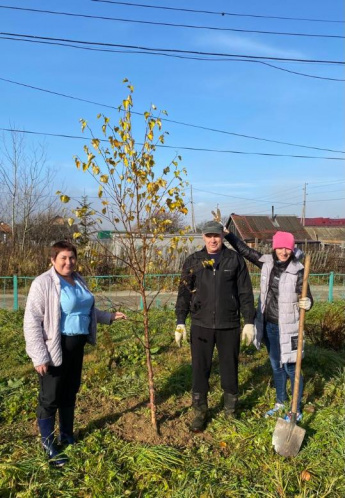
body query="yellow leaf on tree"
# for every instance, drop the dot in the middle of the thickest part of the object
(95, 142)
(104, 178)
(70, 221)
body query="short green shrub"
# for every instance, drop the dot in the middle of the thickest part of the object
(325, 325)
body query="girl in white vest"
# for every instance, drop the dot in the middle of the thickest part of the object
(277, 317)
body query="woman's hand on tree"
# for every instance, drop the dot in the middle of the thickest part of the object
(118, 316)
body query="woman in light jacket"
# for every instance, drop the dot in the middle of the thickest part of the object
(277, 318)
(60, 317)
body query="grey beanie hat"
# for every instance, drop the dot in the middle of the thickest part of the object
(212, 227)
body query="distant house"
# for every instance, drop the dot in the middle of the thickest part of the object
(5, 232)
(61, 229)
(260, 229)
(326, 230)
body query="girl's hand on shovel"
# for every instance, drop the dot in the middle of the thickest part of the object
(304, 303)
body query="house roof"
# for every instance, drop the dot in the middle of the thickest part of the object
(329, 222)
(5, 228)
(327, 235)
(264, 227)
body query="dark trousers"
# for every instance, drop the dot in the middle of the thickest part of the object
(227, 342)
(281, 372)
(59, 386)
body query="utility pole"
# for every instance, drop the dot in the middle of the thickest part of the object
(192, 204)
(304, 204)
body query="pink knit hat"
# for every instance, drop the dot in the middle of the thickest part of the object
(283, 240)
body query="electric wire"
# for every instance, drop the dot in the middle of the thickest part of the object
(175, 56)
(172, 50)
(131, 4)
(181, 123)
(174, 25)
(265, 201)
(265, 154)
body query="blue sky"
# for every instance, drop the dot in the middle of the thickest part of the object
(243, 98)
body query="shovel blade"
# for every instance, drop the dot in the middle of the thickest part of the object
(287, 438)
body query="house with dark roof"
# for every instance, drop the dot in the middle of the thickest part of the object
(260, 229)
(326, 230)
(5, 232)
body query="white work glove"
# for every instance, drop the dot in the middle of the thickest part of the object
(304, 303)
(180, 334)
(248, 334)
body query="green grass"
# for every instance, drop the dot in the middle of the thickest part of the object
(118, 454)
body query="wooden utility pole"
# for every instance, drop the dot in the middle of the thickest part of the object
(304, 204)
(192, 204)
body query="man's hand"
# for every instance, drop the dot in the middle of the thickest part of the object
(248, 334)
(304, 303)
(42, 369)
(180, 334)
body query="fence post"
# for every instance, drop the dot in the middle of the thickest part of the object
(330, 287)
(15, 293)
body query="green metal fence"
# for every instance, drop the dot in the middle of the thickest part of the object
(121, 290)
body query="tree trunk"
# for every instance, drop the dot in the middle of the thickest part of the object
(152, 390)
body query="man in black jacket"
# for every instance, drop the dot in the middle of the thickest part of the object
(215, 288)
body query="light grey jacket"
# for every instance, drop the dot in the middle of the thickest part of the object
(288, 308)
(42, 319)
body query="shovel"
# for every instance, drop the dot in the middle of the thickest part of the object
(287, 436)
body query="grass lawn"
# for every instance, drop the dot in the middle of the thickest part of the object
(119, 455)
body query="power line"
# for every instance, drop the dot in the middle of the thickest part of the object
(265, 201)
(174, 121)
(174, 25)
(175, 56)
(236, 197)
(326, 200)
(130, 4)
(324, 184)
(266, 154)
(172, 50)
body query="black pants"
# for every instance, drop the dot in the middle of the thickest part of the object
(59, 386)
(227, 342)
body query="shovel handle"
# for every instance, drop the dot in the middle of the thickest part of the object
(300, 338)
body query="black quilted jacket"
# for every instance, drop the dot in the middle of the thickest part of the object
(215, 295)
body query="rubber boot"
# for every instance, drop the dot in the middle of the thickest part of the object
(46, 426)
(66, 419)
(199, 403)
(230, 402)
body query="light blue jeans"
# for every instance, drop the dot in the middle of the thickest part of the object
(281, 372)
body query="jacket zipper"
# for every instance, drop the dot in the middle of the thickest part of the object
(215, 298)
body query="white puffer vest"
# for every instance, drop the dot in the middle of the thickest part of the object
(288, 308)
